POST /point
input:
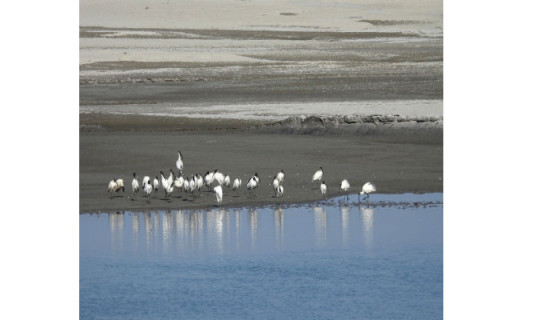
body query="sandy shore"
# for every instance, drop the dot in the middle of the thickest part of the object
(247, 87)
(396, 163)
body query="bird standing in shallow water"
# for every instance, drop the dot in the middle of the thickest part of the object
(367, 188)
(345, 187)
(219, 194)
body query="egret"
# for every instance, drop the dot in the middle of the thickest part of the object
(318, 175)
(367, 188)
(324, 189)
(345, 187)
(179, 163)
(135, 184)
(280, 176)
(219, 194)
(156, 184)
(148, 188)
(236, 185)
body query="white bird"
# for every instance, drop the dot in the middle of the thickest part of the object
(280, 176)
(192, 186)
(186, 185)
(170, 177)
(280, 191)
(178, 183)
(275, 185)
(218, 176)
(199, 181)
(236, 185)
(179, 162)
(367, 188)
(318, 175)
(345, 187)
(164, 182)
(208, 178)
(169, 190)
(135, 184)
(156, 184)
(227, 181)
(145, 179)
(148, 188)
(251, 184)
(219, 194)
(324, 189)
(115, 186)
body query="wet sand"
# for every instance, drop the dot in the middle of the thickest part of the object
(396, 163)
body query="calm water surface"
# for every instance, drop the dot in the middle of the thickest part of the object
(317, 261)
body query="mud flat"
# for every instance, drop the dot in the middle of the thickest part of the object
(394, 161)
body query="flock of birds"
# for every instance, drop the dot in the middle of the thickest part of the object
(196, 182)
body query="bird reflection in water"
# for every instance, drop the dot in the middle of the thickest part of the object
(279, 227)
(320, 222)
(344, 212)
(367, 218)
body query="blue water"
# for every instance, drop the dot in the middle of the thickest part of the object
(315, 261)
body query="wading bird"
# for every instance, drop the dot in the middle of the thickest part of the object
(251, 185)
(227, 181)
(324, 189)
(219, 194)
(148, 188)
(156, 184)
(145, 179)
(115, 186)
(367, 188)
(179, 162)
(236, 185)
(280, 176)
(135, 184)
(345, 187)
(208, 179)
(280, 191)
(318, 175)
(275, 184)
